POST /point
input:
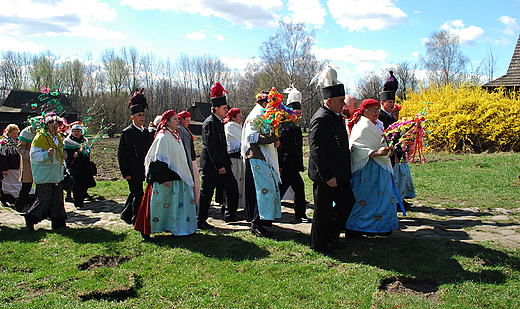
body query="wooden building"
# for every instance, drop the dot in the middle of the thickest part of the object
(511, 80)
(21, 105)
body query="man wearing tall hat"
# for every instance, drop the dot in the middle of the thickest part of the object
(387, 98)
(134, 143)
(214, 161)
(329, 166)
(290, 158)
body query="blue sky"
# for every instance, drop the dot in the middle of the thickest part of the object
(359, 36)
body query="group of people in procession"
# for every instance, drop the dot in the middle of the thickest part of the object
(359, 182)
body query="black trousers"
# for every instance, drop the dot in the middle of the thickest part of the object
(294, 179)
(49, 203)
(133, 201)
(23, 196)
(209, 181)
(328, 221)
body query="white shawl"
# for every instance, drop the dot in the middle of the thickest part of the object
(166, 148)
(365, 138)
(233, 136)
(250, 136)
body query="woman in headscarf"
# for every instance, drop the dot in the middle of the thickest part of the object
(188, 139)
(10, 164)
(78, 161)
(233, 129)
(47, 158)
(25, 139)
(168, 203)
(262, 175)
(375, 210)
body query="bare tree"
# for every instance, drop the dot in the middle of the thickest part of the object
(370, 86)
(117, 72)
(72, 76)
(43, 72)
(444, 60)
(287, 59)
(405, 73)
(133, 62)
(490, 63)
(14, 71)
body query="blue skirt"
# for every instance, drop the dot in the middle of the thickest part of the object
(403, 180)
(173, 209)
(267, 191)
(375, 210)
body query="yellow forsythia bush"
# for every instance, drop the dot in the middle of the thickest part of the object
(467, 118)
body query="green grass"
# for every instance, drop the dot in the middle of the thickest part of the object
(473, 180)
(214, 269)
(238, 270)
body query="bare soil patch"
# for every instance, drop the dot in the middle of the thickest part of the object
(411, 286)
(102, 261)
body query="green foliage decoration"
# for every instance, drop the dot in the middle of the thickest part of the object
(468, 118)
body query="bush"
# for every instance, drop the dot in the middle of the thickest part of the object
(467, 118)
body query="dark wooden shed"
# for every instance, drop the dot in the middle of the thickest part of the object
(511, 80)
(199, 111)
(19, 106)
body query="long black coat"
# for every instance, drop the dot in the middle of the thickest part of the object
(79, 167)
(133, 146)
(386, 119)
(290, 153)
(214, 146)
(329, 149)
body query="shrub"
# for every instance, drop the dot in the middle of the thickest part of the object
(467, 118)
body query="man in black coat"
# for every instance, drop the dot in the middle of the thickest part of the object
(329, 169)
(216, 165)
(290, 160)
(387, 98)
(134, 143)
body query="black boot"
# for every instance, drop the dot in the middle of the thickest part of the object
(58, 223)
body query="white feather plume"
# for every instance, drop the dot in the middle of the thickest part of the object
(294, 95)
(327, 77)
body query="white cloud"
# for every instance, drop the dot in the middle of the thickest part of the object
(502, 41)
(53, 18)
(238, 63)
(196, 35)
(416, 55)
(307, 11)
(9, 43)
(359, 15)
(511, 25)
(252, 13)
(350, 54)
(364, 68)
(467, 36)
(220, 37)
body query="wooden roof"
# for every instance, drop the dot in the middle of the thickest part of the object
(512, 77)
(21, 101)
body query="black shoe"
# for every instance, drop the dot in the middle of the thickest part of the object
(203, 225)
(69, 199)
(259, 230)
(326, 253)
(145, 236)
(303, 219)
(232, 218)
(29, 225)
(126, 220)
(335, 244)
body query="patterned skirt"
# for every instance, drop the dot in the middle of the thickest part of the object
(403, 180)
(267, 191)
(375, 210)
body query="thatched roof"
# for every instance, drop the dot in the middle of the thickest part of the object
(512, 77)
(23, 100)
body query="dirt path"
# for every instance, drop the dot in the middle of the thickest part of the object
(461, 224)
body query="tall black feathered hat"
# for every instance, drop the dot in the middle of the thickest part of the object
(328, 80)
(389, 88)
(138, 102)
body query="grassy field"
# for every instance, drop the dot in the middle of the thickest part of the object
(115, 268)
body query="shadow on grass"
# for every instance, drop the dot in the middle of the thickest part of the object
(443, 260)
(221, 245)
(79, 235)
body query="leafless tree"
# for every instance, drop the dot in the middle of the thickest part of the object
(370, 86)
(43, 71)
(444, 60)
(490, 63)
(117, 73)
(14, 71)
(287, 59)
